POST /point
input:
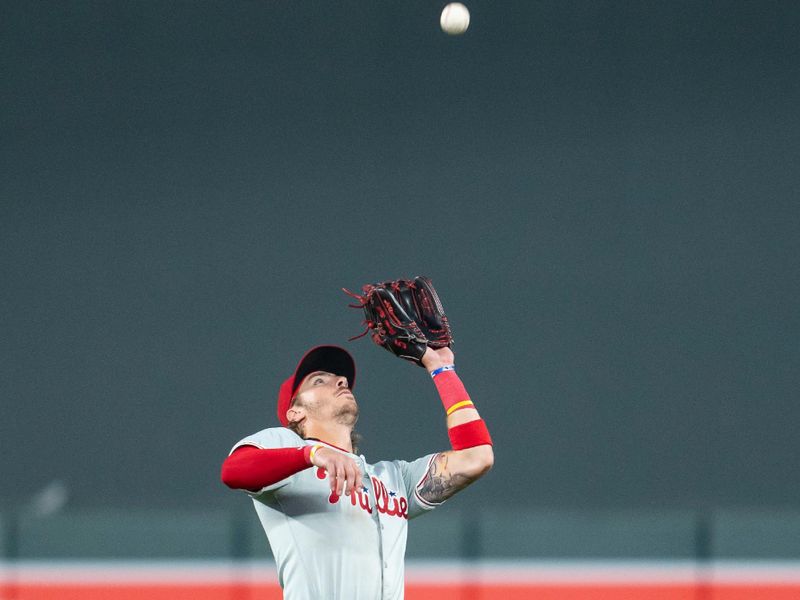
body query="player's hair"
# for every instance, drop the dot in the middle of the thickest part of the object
(299, 428)
(355, 440)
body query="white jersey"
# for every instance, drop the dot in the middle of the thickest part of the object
(339, 548)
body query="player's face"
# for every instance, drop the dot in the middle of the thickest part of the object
(328, 396)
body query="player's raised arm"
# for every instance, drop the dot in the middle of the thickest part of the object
(472, 454)
(406, 318)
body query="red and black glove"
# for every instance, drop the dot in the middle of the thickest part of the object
(405, 317)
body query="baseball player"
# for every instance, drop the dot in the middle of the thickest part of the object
(336, 523)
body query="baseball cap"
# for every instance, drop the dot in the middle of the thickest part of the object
(331, 359)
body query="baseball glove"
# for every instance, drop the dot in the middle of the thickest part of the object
(404, 316)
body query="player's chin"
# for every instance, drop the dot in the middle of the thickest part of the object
(347, 412)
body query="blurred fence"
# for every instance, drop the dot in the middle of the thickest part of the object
(448, 533)
(459, 554)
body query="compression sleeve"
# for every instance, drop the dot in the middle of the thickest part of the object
(452, 392)
(251, 468)
(454, 397)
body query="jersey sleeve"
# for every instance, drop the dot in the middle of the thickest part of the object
(274, 437)
(414, 474)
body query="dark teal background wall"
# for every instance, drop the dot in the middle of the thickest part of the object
(186, 186)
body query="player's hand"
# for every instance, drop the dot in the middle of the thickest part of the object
(343, 472)
(433, 359)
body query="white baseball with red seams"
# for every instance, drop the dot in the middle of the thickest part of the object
(339, 548)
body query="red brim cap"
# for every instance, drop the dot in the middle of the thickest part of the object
(331, 359)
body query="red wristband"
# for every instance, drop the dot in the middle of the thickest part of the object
(469, 435)
(452, 392)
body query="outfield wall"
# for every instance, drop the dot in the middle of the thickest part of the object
(454, 554)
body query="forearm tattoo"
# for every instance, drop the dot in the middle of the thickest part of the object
(439, 484)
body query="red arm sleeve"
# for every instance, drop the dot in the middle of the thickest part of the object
(251, 468)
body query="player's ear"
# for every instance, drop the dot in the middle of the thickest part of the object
(296, 413)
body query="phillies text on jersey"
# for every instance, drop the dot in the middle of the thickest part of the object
(339, 548)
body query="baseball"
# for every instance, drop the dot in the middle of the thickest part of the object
(454, 19)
